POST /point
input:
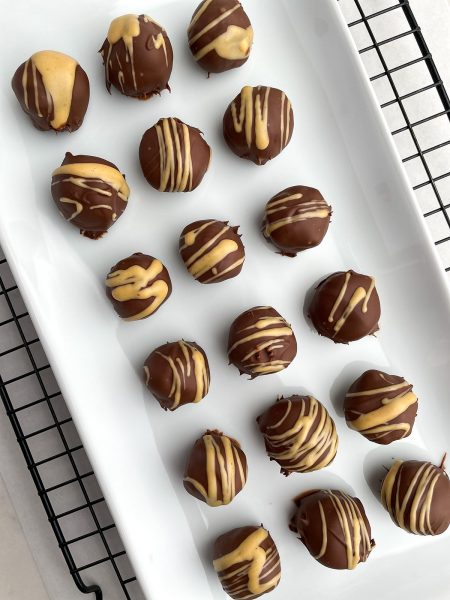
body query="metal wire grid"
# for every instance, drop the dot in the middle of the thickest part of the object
(83, 502)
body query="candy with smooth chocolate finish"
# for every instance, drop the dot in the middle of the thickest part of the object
(53, 90)
(220, 35)
(212, 251)
(137, 55)
(137, 286)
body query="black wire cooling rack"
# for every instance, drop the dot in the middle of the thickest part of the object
(73, 502)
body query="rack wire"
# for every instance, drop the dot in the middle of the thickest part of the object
(39, 412)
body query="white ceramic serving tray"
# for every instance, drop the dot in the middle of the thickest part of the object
(341, 145)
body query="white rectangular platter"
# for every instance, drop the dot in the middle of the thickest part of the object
(340, 145)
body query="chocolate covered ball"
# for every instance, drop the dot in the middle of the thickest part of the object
(53, 90)
(212, 251)
(216, 469)
(345, 307)
(89, 192)
(333, 527)
(261, 342)
(417, 496)
(258, 124)
(137, 55)
(299, 434)
(174, 156)
(177, 373)
(220, 35)
(381, 407)
(296, 219)
(247, 562)
(137, 286)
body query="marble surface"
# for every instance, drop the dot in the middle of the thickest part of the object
(31, 564)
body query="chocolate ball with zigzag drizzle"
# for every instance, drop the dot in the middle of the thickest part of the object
(334, 528)
(216, 470)
(137, 55)
(177, 373)
(220, 35)
(381, 407)
(345, 307)
(212, 250)
(260, 342)
(258, 124)
(174, 156)
(137, 286)
(299, 434)
(90, 193)
(247, 562)
(296, 219)
(417, 496)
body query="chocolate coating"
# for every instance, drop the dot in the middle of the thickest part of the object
(334, 528)
(417, 496)
(296, 219)
(137, 55)
(381, 407)
(89, 192)
(216, 470)
(137, 286)
(177, 373)
(53, 90)
(260, 342)
(212, 251)
(345, 307)
(220, 35)
(247, 562)
(299, 434)
(174, 156)
(258, 123)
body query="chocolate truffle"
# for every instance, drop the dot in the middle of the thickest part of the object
(296, 219)
(299, 434)
(177, 373)
(53, 90)
(261, 342)
(89, 192)
(258, 124)
(220, 35)
(345, 307)
(417, 496)
(381, 407)
(174, 156)
(216, 469)
(138, 57)
(247, 562)
(212, 250)
(137, 286)
(334, 528)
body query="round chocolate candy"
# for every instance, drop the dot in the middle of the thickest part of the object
(345, 307)
(247, 562)
(137, 55)
(258, 124)
(334, 528)
(89, 192)
(177, 373)
(212, 250)
(53, 90)
(261, 342)
(299, 434)
(220, 35)
(417, 496)
(296, 219)
(381, 407)
(174, 156)
(216, 469)
(137, 286)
